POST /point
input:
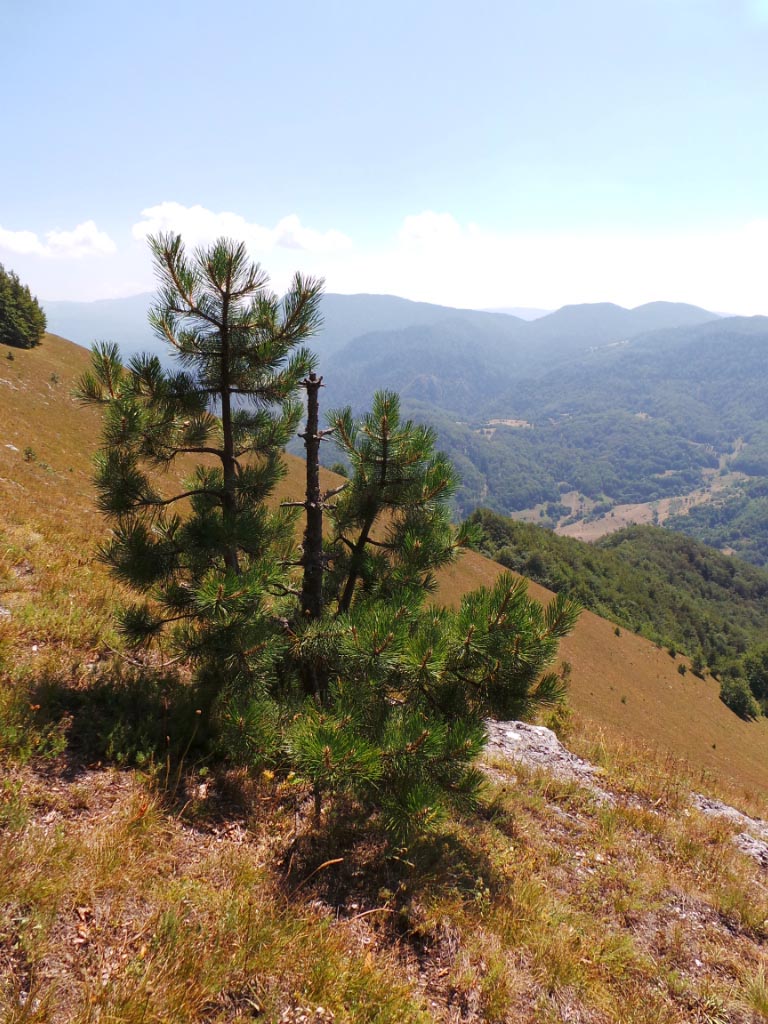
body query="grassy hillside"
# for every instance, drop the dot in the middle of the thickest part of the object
(180, 893)
(59, 596)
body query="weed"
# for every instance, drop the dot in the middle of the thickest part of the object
(14, 809)
(756, 992)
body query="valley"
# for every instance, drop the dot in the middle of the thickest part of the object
(671, 420)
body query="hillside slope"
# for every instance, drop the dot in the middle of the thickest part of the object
(48, 528)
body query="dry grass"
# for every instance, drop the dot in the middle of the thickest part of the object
(547, 906)
(174, 896)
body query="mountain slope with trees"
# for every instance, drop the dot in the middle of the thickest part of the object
(48, 523)
(672, 589)
(613, 406)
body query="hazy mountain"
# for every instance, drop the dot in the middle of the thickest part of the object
(464, 360)
(455, 363)
(120, 320)
(345, 317)
(707, 379)
(362, 320)
(574, 329)
(523, 312)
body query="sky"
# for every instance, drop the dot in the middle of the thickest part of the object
(500, 153)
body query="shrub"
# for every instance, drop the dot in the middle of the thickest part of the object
(736, 694)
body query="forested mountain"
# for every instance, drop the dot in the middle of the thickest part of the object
(465, 362)
(363, 332)
(563, 418)
(345, 317)
(707, 381)
(671, 589)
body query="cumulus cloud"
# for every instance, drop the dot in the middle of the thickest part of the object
(430, 229)
(83, 240)
(199, 225)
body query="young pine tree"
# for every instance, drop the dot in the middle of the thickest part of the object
(209, 557)
(398, 720)
(355, 682)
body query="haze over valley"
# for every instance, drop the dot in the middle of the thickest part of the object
(586, 419)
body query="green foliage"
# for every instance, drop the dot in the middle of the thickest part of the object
(738, 520)
(209, 558)
(609, 456)
(400, 484)
(373, 694)
(669, 588)
(756, 671)
(22, 320)
(736, 694)
(407, 685)
(26, 732)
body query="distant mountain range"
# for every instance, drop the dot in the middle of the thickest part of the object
(608, 406)
(522, 312)
(453, 357)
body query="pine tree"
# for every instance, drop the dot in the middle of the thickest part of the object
(355, 682)
(208, 558)
(407, 685)
(392, 524)
(22, 320)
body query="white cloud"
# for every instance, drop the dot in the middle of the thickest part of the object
(198, 225)
(83, 240)
(430, 229)
(434, 258)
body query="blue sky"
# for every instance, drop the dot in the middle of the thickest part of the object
(500, 153)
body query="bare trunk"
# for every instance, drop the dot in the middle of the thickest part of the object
(315, 679)
(229, 499)
(312, 559)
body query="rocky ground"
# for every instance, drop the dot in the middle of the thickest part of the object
(538, 747)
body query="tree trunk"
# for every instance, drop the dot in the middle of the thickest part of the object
(312, 558)
(315, 679)
(229, 498)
